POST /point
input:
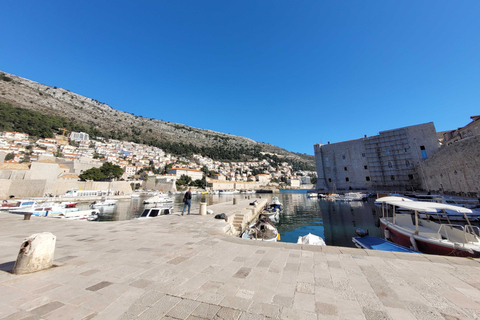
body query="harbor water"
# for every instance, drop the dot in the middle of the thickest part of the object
(335, 222)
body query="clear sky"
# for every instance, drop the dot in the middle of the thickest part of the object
(289, 73)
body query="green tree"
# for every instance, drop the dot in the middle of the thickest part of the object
(200, 183)
(184, 180)
(107, 171)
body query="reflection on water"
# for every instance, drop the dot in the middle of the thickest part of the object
(335, 222)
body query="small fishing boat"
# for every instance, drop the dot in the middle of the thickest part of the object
(275, 204)
(365, 241)
(375, 243)
(263, 230)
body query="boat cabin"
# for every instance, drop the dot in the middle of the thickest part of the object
(154, 212)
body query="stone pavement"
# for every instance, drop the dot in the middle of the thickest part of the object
(184, 267)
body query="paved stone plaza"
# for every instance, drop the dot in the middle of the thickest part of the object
(185, 267)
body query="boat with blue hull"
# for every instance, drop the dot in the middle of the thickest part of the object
(376, 243)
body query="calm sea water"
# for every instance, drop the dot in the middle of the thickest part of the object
(335, 222)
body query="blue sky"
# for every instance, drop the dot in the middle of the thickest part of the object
(289, 73)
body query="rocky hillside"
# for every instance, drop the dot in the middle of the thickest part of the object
(99, 116)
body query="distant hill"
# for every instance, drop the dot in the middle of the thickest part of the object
(99, 119)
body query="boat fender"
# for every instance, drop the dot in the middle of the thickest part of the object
(278, 237)
(387, 234)
(414, 243)
(361, 233)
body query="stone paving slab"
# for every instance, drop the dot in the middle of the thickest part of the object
(185, 267)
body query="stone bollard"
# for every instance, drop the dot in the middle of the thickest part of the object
(203, 208)
(234, 200)
(36, 253)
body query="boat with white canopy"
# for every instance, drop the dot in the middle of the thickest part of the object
(402, 224)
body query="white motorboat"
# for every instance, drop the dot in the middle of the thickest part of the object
(103, 203)
(311, 239)
(8, 205)
(424, 235)
(88, 215)
(158, 198)
(225, 192)
(45, 209)
(155, 212)
(275, 204)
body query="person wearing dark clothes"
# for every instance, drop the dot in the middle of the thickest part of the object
(187, 200)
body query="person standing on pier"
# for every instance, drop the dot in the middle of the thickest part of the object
(187, 200)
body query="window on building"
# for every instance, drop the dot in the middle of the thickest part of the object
(365, 167)
(363, 154)
(345, 168)
(390, 165)
(367, 178)
(404, 150)
(470, 133)
(329, 179)
(343, 157)
(424, 152)
(326, 159)
(477, 131)
(407, 163)
(347, 179)
(410, 177)
(392, 177)
(387, 152)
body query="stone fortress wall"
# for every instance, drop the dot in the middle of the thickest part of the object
(453, 169)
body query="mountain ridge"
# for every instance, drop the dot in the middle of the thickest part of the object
(105, 120)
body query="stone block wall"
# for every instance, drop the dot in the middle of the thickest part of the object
(453, 169)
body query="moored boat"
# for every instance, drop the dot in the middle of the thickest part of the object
(87, 215)
(158, 198)
(103, 203)
(155, 212)
(376, 243)
(428, 236)
(275, 204)
(45, 209)
(8, 205)
(263, 229)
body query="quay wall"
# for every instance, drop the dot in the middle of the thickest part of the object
(161, 186)
(22, 188)
(40, 187)
(453, 169)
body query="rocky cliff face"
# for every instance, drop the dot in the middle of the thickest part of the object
(60, 102)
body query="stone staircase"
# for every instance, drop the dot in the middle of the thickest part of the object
(238, 221)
